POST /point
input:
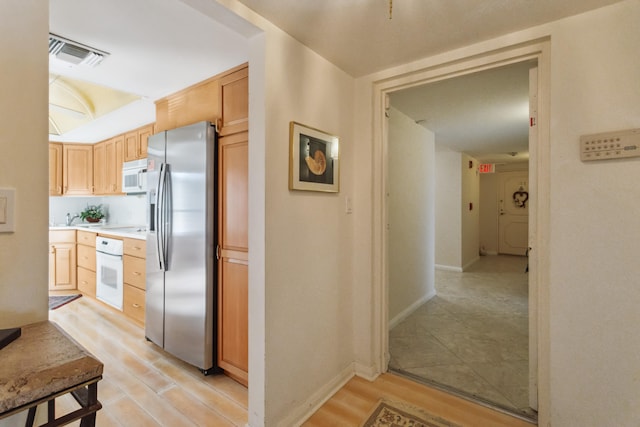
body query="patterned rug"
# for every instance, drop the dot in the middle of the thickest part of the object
(60, 300)
(401, 414)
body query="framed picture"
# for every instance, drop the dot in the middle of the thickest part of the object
(313, 159)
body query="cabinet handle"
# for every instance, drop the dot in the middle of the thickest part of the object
(137, 248)
(135, 305)
(136, 273)
(84, 282)
(53, 249)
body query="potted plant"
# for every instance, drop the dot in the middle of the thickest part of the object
(92, 213)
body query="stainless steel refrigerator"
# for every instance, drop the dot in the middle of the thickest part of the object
(181, 180)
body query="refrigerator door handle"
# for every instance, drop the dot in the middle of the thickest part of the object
(160, 217)
(167, 218)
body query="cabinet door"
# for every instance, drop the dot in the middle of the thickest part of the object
(87, 281)
(234, 255)
(130, 146)
(55, 169)
(235, 102)
(99, 169)
(77, 173)
(143, 140)
(118, 143)
(62, 266)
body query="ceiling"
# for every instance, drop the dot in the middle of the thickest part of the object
(157, 47)
(485, 114)
(359, 37)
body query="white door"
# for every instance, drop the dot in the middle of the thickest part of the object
(513, 221)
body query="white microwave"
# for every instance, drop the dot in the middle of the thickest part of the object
(134, 176)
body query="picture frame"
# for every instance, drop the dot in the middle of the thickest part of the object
(314, 161)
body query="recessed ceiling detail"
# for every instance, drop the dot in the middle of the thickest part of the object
(74, 103)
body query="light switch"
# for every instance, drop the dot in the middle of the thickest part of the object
(7, 210)
(348, 208)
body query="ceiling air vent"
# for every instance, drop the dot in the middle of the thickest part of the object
(74, 52)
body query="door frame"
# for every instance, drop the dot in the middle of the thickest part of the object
(539, 178)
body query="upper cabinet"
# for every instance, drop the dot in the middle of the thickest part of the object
(135, 143)
(194, 104)
(107, 166)
(222, 99)
(234, 91)
(77, 171)
(55, 169)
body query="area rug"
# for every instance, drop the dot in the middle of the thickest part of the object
(401, 414)
(60, 300)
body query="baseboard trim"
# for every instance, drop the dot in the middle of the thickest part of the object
(302, 412)
(369, 373)
(413, 307)
(470, 263)
(448, 268)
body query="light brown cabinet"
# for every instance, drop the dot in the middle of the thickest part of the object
(107, 166)
(55, 169)
(62, 259)
(86, 248)
(194, 104)
(77, 170)
(99, 169)
(135, 143)
(234, 95)
(134, 275)
(233, 321)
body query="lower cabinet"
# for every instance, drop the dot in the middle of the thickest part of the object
(62, 259)
(134, 279)
(86, 263)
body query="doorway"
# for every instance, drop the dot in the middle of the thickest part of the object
(539, 215)
(472, 335)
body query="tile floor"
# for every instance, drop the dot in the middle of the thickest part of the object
(473, 336)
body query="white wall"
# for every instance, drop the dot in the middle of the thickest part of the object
(469, 212)
(595, 368)
(590, 373)
(124, 210)
(24, 160)
(411, 237)
(448, 216)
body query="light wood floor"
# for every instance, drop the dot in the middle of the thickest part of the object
(145, 386)
(353, 403)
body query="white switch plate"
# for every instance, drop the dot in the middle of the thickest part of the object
(348, 208)
(7, 209)
(610, 145)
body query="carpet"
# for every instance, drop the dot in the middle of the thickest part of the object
(401, 414)
(60, 300)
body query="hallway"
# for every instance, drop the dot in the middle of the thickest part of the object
(472, 336)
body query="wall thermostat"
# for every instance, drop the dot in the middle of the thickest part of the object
(610, 145)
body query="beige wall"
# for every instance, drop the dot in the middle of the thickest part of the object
(24, 160)
(411, 216)
(469, 216)
(448, 215)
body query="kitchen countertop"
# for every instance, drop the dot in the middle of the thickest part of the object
(42, 362)
(130, 231)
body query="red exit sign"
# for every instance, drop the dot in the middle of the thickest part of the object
(486, 168)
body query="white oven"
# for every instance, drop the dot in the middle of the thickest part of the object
(109, 280)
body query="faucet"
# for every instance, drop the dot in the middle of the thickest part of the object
(70, 218)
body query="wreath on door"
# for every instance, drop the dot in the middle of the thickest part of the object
(520, 198)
